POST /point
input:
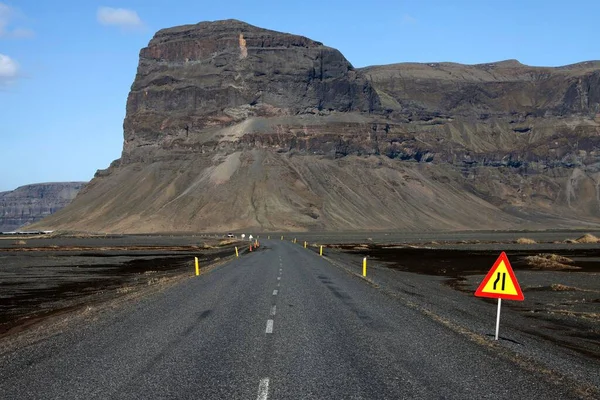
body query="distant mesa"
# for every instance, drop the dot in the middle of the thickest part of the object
(28, 204)
(232, 127)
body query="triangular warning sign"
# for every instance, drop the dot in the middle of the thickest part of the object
(500, 282)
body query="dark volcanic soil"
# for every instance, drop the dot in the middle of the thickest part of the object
(555, 330)
(459, 263)
(564, 303)
(44, 277)
(561, 305)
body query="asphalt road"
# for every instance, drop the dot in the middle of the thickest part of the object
(280, 323)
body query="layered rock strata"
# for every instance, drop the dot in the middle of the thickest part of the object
(230, 126)
(28, 204)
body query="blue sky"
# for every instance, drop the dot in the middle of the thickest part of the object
(66, 66)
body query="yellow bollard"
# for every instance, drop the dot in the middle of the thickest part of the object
(197, 266)
(281, 237)
(321, 251)
(304, 244)
(365, 266)
(236, 252)
(269, 237)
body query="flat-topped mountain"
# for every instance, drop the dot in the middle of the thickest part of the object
(485, 90)
(195, 79)
(31, 203)
(230, 126)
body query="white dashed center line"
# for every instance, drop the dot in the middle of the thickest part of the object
(273, 310)
(278, 278)
(269, 326)
(263, 389)
(275, 292)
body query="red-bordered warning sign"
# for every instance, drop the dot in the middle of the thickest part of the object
(500, 282)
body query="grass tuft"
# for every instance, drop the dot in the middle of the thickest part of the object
(550, 261)
(587, 238)
(526, 241)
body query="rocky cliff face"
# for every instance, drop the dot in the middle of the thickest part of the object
(498, 108)
(230, 126)
(193, 79)
(31, 203)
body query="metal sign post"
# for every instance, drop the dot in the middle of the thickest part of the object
(498, 318)
(500, 283)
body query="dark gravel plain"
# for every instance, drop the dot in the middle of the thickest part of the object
(556, 329)
(45, 276)
(279, 323)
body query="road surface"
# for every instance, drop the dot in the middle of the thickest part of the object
(280, 323)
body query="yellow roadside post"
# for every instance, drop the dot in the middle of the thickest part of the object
(294, 240)
(305, 244)
(281, 237)
(197, 266)
(236, 252)
(321, 251)
(365, 266)
(269, 237)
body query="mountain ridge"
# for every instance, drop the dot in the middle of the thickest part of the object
(30, 203)
(230, 126)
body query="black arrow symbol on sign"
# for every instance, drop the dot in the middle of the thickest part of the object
(498, 280)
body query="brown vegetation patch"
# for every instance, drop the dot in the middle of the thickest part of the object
(106, 248)
(550, 261)
(526, 241)
(587, 238)
(557, 287)
(125, 289)
(571, 313)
